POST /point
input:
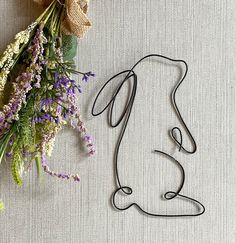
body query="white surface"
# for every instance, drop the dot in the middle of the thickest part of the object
(204, 34)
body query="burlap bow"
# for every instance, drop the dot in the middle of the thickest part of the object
(76, 21)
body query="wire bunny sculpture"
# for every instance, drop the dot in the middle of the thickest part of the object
(130, 75)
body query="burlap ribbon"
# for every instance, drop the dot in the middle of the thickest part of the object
(76, 21)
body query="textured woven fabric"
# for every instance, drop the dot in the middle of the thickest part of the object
(201, 32)
(75, 21)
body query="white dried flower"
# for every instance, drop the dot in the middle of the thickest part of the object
(7, 58)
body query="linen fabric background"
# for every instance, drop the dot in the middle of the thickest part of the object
(201, 32)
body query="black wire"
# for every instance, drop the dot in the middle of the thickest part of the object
(131, 75)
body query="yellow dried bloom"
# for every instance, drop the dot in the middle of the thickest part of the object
(50, 146)
(3, 79)
(15, 47)
(2, 206)
(51, 65)
(23, 37)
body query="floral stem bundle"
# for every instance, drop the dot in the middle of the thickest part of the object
(37, 93)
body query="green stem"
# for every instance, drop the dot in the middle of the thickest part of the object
(38, 165)
(5, 141)
(46, 13)
(54, 4)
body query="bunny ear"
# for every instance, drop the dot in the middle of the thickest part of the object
(111, 101)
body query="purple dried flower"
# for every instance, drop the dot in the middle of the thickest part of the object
(71, 91)
(46, 116)
(87, 75)
(8, 154)
(46, 102)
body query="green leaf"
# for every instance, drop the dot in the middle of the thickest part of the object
(4, 143)
(69, 47)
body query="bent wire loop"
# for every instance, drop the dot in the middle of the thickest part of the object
(131, 75)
